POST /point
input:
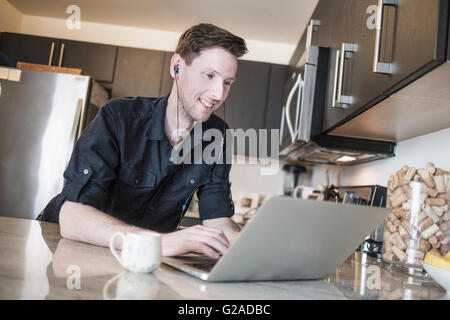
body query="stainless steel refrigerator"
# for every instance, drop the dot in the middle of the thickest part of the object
(41, 116)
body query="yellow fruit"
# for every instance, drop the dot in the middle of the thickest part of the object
(434, 258)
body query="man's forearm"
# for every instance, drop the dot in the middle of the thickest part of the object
(87, 224)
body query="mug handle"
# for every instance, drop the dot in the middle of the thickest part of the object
(113, 249)
(106, 294)
(295, 192)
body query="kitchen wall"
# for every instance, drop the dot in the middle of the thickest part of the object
(140, 38)
(10, 17)
(433, 147)
(248, 178)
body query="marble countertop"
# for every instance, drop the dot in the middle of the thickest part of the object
(36, 263)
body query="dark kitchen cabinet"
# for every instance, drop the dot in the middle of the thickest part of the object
(96, 60)
(318, 32)
(138, 72)
(276, 93)
(166, 79)
(325, 16)
(255, 101)
(412, 41)
(246, 102)
(28, 48)
(247, 99)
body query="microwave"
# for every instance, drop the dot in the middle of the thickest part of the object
(312, 89)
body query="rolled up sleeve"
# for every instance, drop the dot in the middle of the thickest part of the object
(92, 167)
(215, 199)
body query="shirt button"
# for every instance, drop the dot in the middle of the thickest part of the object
(86, 171)
(192, 181)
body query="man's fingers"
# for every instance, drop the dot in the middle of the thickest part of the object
(209, 241)
(212, 242)
(219, 234)
(207, 250)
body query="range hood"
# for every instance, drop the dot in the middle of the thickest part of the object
(328, 149)
(307, 143)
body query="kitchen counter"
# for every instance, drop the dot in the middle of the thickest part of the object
(36, 263)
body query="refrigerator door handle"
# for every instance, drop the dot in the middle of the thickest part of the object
(82, 107)
(52, 48)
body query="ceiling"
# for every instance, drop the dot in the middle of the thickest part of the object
(264, 20)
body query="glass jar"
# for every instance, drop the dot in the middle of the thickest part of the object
(419, 220)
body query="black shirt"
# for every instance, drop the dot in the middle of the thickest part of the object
(122, 165)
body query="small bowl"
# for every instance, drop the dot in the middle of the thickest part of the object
(441, 276)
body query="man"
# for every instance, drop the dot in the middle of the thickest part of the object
(122, 176)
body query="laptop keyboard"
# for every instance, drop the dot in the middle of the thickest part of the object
(207, 267)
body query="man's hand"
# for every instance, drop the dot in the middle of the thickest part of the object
(209, 241)
(227, 225)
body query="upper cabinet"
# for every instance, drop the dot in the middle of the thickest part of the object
(376, 49)
(255, 102)
(27, 48)
(97, 60)
(166, 80)
(372, 62)
(138, 72)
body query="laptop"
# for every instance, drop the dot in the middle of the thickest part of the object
(288, 239)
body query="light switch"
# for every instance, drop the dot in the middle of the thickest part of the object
(14, 75)
(4, 72)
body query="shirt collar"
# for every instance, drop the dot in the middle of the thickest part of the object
(155, 128)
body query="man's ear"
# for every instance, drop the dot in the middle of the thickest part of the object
(175, 61)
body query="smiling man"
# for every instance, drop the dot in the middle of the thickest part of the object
(122, 175)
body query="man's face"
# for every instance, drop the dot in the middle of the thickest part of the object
(205, 83)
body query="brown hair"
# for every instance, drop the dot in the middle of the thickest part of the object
(205, 35)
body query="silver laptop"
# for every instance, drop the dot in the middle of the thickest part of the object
(288, 239)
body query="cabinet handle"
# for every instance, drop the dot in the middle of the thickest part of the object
(82, 107)
(381, 67)
(61, 54)
(313, 24)
(52, 48)
(341, 55)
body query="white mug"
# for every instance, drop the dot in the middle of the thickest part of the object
(305, 192)
(141, 251)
